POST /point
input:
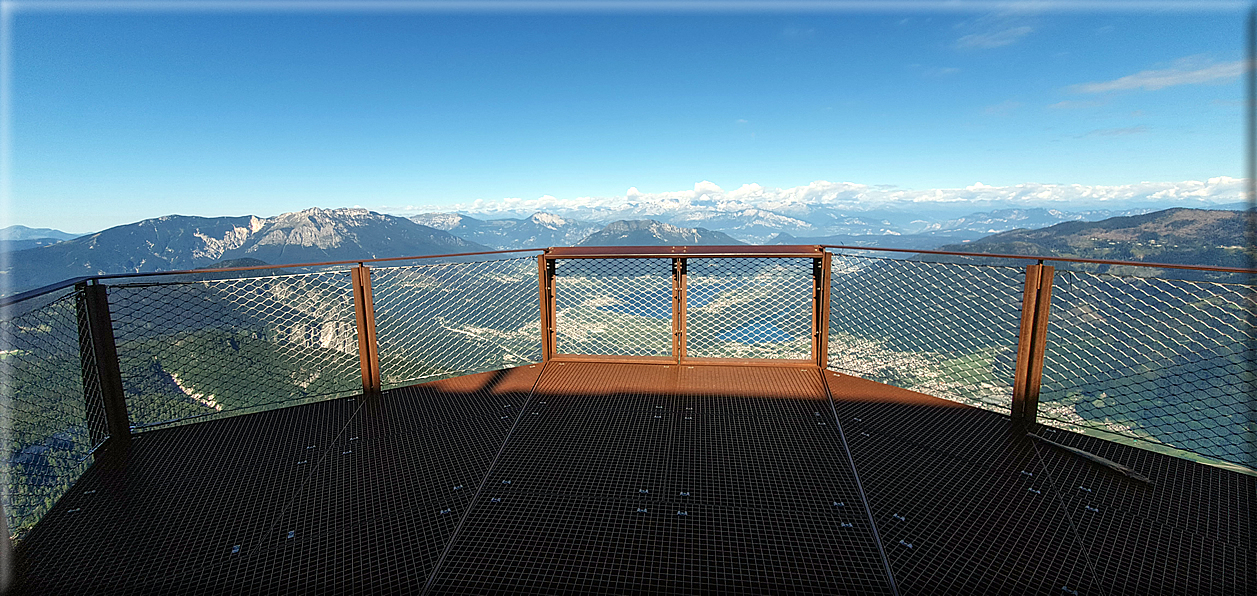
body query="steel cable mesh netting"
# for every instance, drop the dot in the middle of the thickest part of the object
(620, 307)
(448, 319)
(749, 308)
(46, 438)
(1153, 359)
(944, 329)
(195, 349)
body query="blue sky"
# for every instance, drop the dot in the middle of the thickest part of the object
(120, 116)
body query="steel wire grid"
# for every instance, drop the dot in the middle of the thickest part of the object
(749, 308)
(450, 319)
(1153, 359)
(45, 435)
(196, 349)
(620, 307)
(947, 330)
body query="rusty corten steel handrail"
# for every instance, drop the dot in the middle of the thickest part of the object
(1044, 258)
(809, 251)
(624, 252)
(14, 299)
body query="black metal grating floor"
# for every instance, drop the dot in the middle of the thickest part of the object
(612, 478)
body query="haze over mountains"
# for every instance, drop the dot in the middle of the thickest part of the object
(178, 242)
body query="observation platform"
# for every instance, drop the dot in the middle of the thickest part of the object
(577, 477)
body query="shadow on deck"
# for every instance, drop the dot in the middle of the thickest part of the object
(593, 477)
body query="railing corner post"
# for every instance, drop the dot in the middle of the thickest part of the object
(679, 272)
(364, 312)
(545, 284)
(820, 308)
(1032, 342)
(98, 352)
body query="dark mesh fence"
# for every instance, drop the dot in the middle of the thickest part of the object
(195, 349)
(1154, 359)
(614, 306)
(46, 438)
(948, 330)
(449, 319)
(749, 308)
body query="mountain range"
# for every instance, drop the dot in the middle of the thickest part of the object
(1173, 236)
(536, 231)
(647, 232)
(178, 242)
(17, 237)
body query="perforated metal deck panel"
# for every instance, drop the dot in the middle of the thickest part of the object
(616, 478)
(669, 479)
(989, 510)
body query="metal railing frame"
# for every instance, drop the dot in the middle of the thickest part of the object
(679, 256)
(97, 338)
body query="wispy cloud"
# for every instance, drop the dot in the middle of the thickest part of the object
(993, 39)
(941, 72)
(1003, 108)
(1075, 105)
(801, 200)
(1192, 70)
(1117, 132)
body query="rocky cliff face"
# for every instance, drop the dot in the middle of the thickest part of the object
(537, 231)
(648, 232)
(176, 242)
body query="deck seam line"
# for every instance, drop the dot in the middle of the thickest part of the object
(359, 400)
(1073, 528)
(868, 510)
(427, 586)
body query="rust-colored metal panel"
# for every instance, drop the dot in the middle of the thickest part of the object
(621, 252)
(769, 362)
(518, 380)
(750, 381)
(612, 359)
(1034, 378)
(1029, 299)
(846, 388)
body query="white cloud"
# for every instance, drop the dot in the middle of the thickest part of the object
(993, 39)
(1074, 105)
(1118, 132)
(1003, 108)
(1192, 70)
(799, 201)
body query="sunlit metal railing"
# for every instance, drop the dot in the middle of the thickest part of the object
(84, 364)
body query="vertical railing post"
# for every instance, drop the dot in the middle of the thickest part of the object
(545, 281)
(368, 347)
(1036, 303)
(679, 266)
(98, 353)
(820, 309)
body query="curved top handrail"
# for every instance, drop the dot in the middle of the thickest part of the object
(1043, 258)
(27, 295)
(624, 251)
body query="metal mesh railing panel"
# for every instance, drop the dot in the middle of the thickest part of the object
(45, 436)
(448, 319)
(619, 307)
(1153, 359)
(749, 308)
(943, 329)
(195, 349)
